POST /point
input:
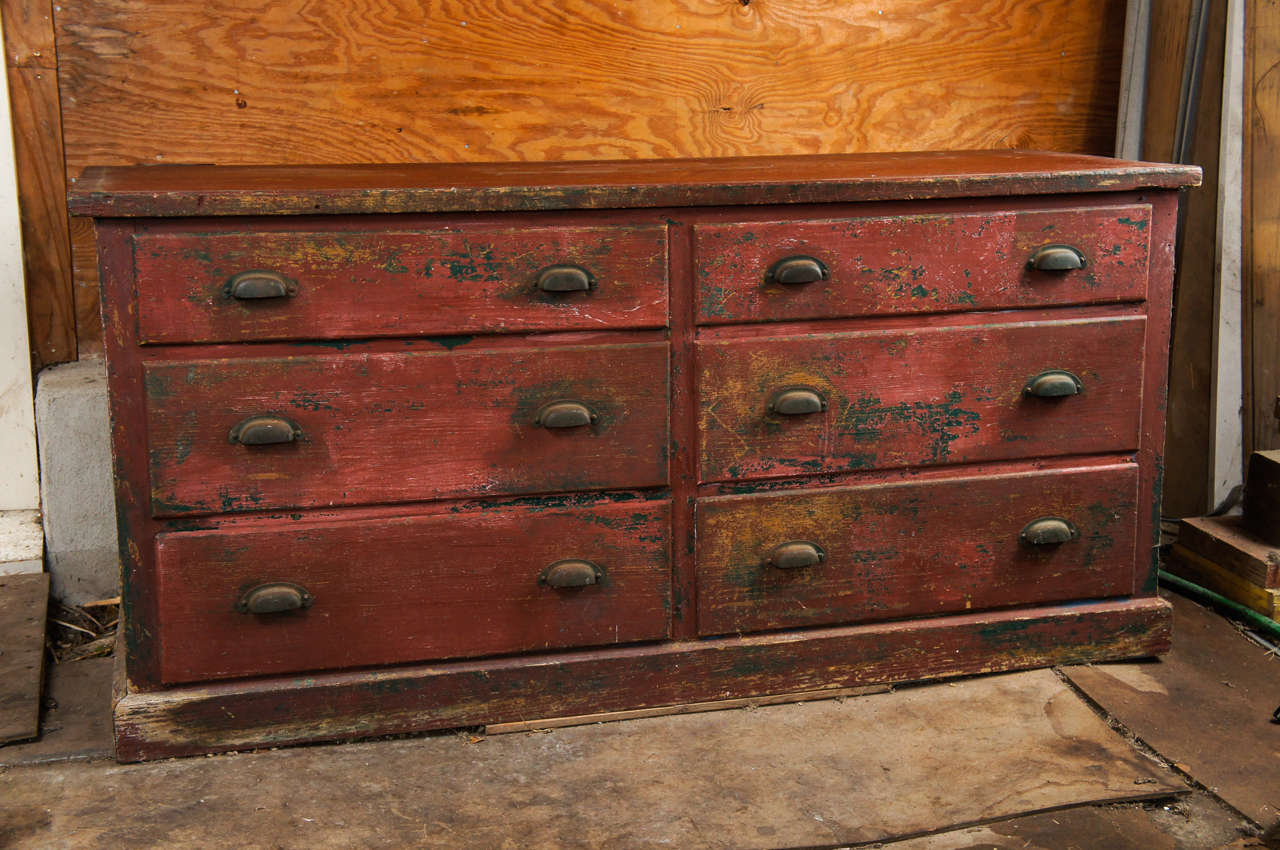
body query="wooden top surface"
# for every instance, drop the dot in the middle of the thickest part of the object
(198, 190)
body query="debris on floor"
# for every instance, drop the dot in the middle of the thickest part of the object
(82, 631)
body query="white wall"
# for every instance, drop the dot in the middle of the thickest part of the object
(19, 483)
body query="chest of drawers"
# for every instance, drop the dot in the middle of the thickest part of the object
(405, 448)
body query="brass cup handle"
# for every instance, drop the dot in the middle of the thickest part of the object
(565, 278)
(565, 414)
(265, 431)
(1055, 383)
(274, 598)
(794, 271)
(795, 555)
(259, 285)
(1048, 531)
(797, 401)
(571, 573)
(1056, 258)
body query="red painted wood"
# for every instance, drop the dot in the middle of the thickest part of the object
(395, 278)
(927, 396)
(193, 190)
(413, 588)
(384, 428)
(1155, 389)
(913, 549)
(332, 706)
(1124, 341)
(128, 445)
(913, 263)
(684, 435)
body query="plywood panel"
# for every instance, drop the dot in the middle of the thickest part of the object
(399, 80)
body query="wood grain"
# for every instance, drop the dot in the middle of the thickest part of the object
(913, 549)
(922, 396)
(84, 275)
(462, 423)
(37, 142)
(413, 588)
(28, 34)
(24, 598)
(1262, 228)
(1166, 54)
(395, 278)
(482, 80)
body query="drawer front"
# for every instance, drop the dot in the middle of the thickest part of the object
(920, 263)
(409, 589)
(371, 283)
(912, 549)
(924, 396)
(396, 427)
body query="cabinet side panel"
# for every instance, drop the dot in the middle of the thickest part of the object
(1155, 389)
(128, 441)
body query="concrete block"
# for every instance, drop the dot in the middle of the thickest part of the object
(78, 499)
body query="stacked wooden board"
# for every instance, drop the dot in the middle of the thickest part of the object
(1222, 555)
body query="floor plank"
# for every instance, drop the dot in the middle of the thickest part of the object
(811, 774)
(1205, 706)
(1195, 822)
(24, 598)
(76, 722)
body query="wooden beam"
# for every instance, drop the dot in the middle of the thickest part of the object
(1228, 383)
(1187, 471)
(23, 601)
(1261, 228)
(1133, 80)
(30, 64)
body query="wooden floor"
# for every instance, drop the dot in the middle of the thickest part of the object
(23, 602)
(1020, 760)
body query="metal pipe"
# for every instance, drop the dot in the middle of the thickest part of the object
(1250, 616)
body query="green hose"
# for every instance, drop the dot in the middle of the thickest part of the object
(1250, 616)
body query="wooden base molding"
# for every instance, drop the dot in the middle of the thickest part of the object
(282, 711)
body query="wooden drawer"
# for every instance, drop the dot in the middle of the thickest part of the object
(411, 588)
(921, 396)
(404, 426)
(930, 263)
(393, 281)
(913, 549)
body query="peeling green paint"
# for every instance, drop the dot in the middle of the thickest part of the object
(392, 265)
(866, 418)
